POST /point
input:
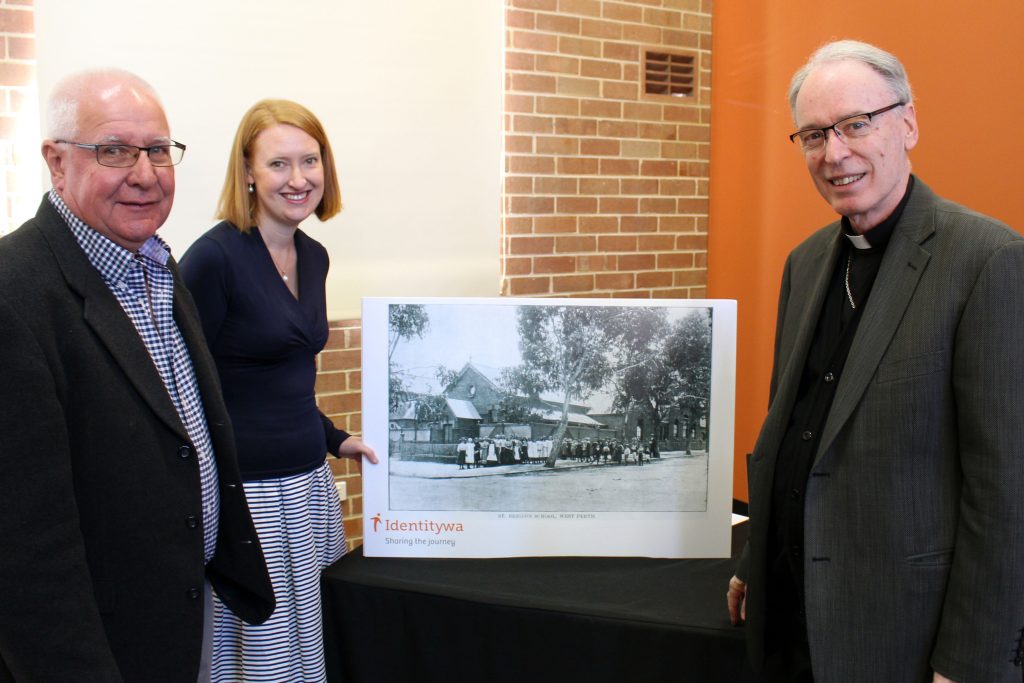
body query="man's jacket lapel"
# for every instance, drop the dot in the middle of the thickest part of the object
(102, 312)
(902, 266)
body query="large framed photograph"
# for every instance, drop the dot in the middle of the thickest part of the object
(527, 427)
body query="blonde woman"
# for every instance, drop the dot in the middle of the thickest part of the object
(258, 281)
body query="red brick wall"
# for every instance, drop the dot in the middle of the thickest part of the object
(606, 189)
(339, 396)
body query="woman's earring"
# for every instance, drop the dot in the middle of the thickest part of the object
(252, 188)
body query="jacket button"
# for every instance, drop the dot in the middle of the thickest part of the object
(795, 494)
(807, 435)
(191, 522)
(184, 452)
(194, 593)
(829, 378)
(795, 550)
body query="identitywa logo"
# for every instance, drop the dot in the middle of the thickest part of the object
(428, 525)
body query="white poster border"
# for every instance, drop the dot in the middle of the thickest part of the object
(569, 531)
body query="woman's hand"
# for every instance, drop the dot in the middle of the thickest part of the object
(354, 447)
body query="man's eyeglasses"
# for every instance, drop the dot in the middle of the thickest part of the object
(850, 128)
(123, 156)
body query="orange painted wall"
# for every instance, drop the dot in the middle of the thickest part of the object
(965, 64)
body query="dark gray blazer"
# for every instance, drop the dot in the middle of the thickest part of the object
(914, 510)
(101, 558)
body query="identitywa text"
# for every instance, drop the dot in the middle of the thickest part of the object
(424, 525)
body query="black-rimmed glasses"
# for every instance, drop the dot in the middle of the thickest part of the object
(119, 155)
(850, 128)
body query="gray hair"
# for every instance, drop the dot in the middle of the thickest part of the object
(884, 64)
(62, 105)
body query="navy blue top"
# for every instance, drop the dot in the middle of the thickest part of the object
(265, 343)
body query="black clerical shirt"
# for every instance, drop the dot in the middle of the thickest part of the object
(853, 276)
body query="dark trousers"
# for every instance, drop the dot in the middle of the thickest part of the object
(787, 653)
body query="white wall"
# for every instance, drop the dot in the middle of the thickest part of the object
(410, 93)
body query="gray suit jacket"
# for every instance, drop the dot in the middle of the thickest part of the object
(101, 549)
(914, 509)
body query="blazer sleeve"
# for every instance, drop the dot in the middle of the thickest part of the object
(983, 614)
(50, 624)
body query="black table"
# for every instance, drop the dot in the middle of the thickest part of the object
(531, 620)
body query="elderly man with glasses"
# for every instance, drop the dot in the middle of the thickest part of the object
(120, 498)
(887, 483)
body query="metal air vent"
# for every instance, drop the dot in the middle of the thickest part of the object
(673, 74)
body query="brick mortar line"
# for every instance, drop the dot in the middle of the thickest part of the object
(621, 22)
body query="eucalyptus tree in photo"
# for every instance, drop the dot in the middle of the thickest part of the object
(564, 348)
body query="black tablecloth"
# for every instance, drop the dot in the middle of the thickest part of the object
(531, 619)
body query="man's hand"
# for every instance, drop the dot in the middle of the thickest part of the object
(939, 678)
(737, 598)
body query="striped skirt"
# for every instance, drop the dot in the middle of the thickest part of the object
(299, 523)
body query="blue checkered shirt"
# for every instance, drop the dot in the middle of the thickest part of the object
(144, 287)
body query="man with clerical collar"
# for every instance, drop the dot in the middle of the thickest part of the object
(887, 483)
(121, 504)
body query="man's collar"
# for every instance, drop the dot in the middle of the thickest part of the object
(95, 242)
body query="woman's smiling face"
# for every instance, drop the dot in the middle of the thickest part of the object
(286, 167)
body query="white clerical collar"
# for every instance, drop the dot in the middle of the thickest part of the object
(859, 241)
